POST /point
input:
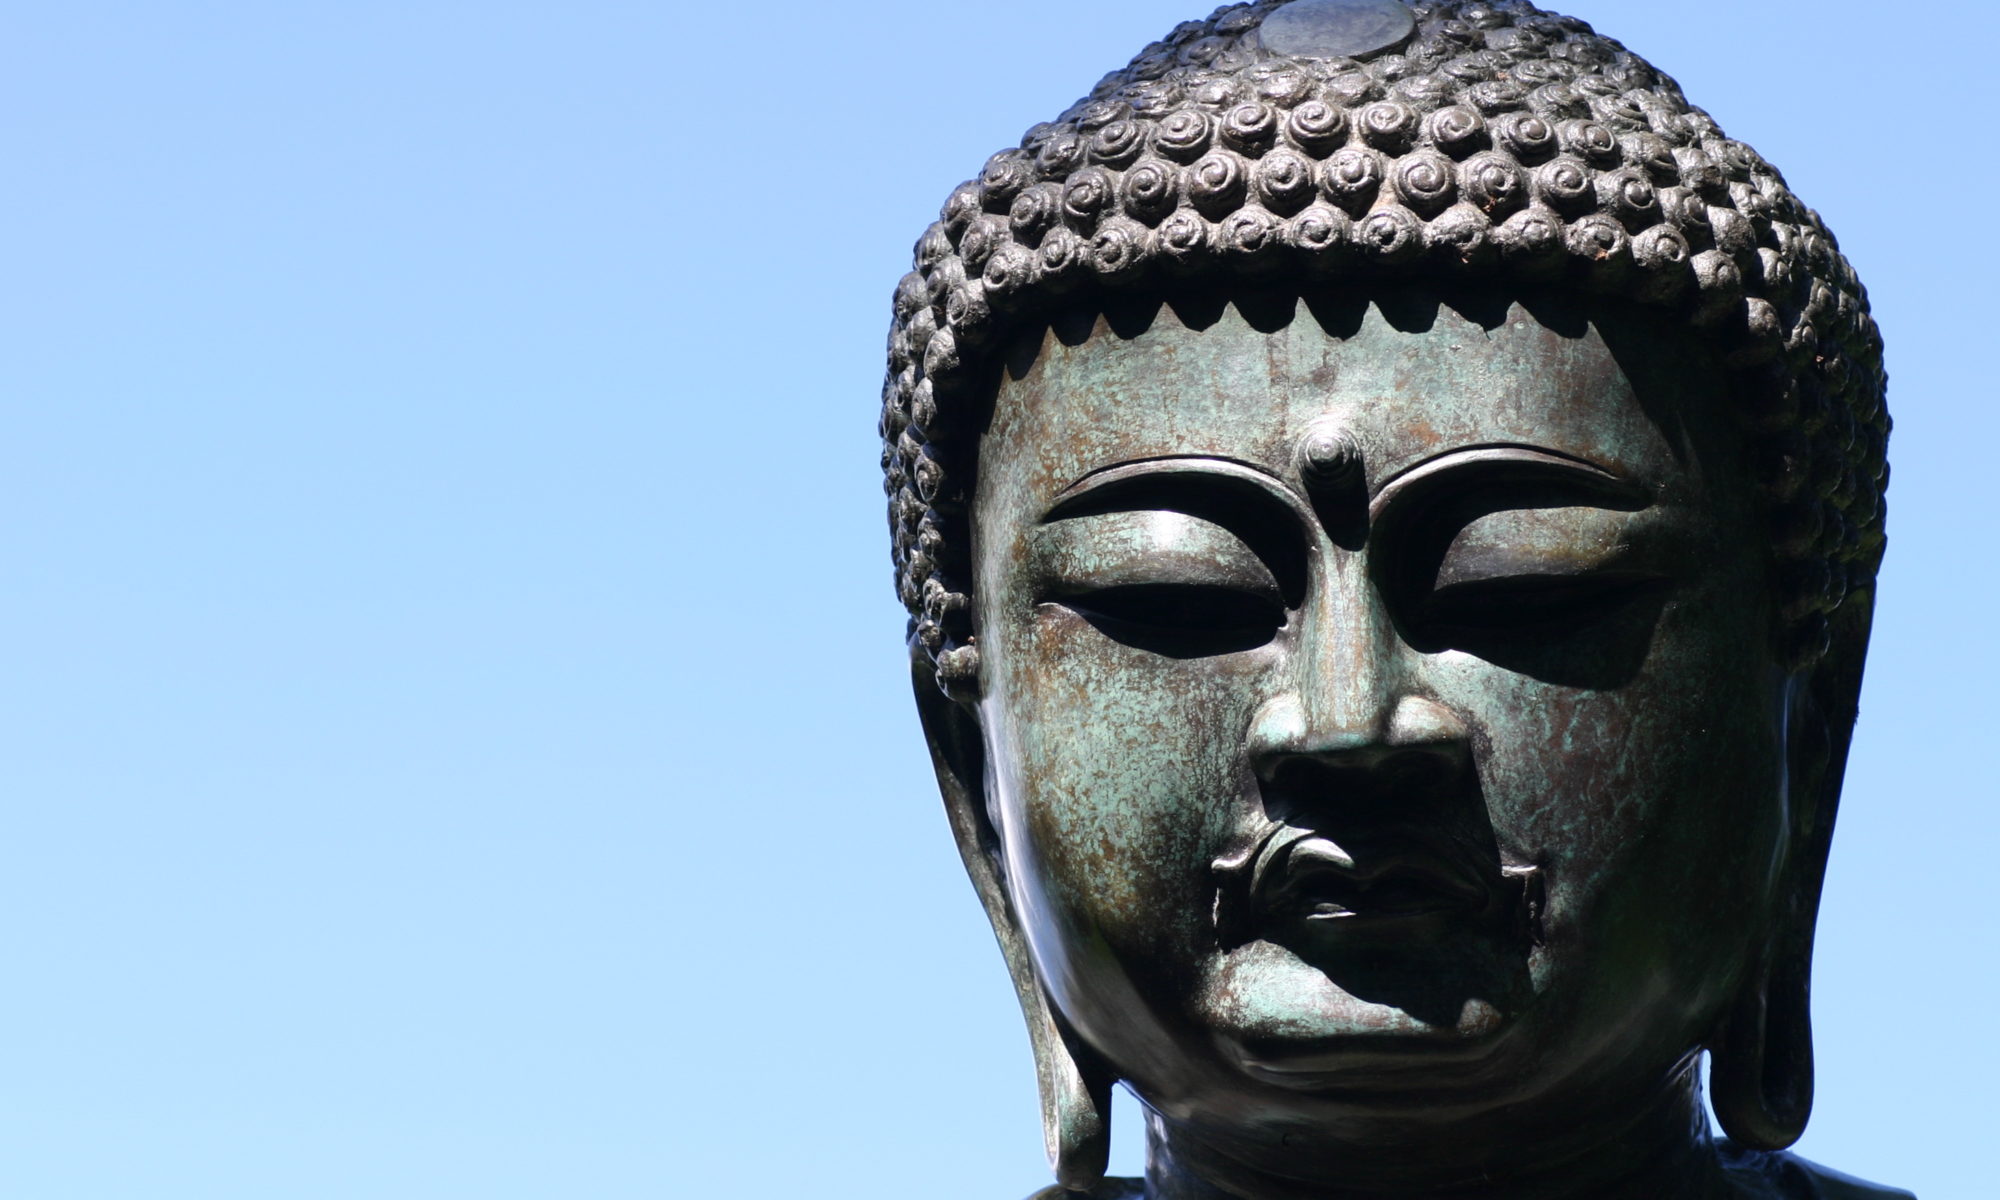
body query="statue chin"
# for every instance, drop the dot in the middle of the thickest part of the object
(1388, 500)
(1308, 1034)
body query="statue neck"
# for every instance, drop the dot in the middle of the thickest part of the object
(1664, 1152)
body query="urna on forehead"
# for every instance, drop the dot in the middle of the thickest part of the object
(1326, 143)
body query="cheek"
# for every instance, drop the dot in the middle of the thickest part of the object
(1120, 775)
(1655, 807)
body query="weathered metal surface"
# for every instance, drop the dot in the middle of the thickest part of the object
(1392, 702)
(1336, 28)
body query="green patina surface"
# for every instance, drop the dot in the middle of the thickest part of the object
(1456, 776)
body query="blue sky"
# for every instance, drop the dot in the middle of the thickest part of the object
(454, 733)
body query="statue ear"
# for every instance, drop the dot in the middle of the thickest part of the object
(1762, 1053)
(1075, 1085)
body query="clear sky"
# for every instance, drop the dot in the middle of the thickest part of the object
(454, 733)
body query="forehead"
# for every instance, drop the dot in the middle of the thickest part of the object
(1408, 376)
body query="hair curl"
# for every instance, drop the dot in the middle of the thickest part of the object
(1499, 142)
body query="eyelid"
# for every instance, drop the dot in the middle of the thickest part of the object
(1249, 502)
(1503, 583)
(1145, 547)
(1550, 542)
(1548, 601)
(1486, 463)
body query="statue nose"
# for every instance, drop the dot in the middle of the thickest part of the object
(1349, 699)
(1412, 729)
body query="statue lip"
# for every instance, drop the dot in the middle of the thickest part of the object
(1318, 881)
(1300, 879)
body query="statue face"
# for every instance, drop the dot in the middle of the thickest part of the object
(1379, 701)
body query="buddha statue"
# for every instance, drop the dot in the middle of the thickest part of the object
(1388, 498)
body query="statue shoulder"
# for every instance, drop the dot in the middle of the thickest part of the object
(1782, 1176)
(1764, 1176)
(1110, 1189)
(1829, 1184)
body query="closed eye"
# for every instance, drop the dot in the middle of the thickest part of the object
(1530, 604)
(1181, 620)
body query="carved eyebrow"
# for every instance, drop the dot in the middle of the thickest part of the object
(1105, 488)
(1528, 464)
(1167, 464)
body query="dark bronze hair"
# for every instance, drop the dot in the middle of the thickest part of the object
(1494, 141)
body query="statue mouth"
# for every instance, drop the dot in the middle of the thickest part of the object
(1298, 884)
(1316, 880)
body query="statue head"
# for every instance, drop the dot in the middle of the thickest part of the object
(1388, 499)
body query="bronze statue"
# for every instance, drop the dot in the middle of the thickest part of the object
(1388, 498)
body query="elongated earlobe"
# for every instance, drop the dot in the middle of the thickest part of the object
(1076, 1107)
(1762, 1089)
(1075, 1085)
(1762, 1051)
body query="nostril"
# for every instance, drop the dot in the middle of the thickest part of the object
(1334, 754)
(1422, 721)
(1360, 774)
(1431, 770)
(1277, 730)
(1422, 744)
(1365, 776)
